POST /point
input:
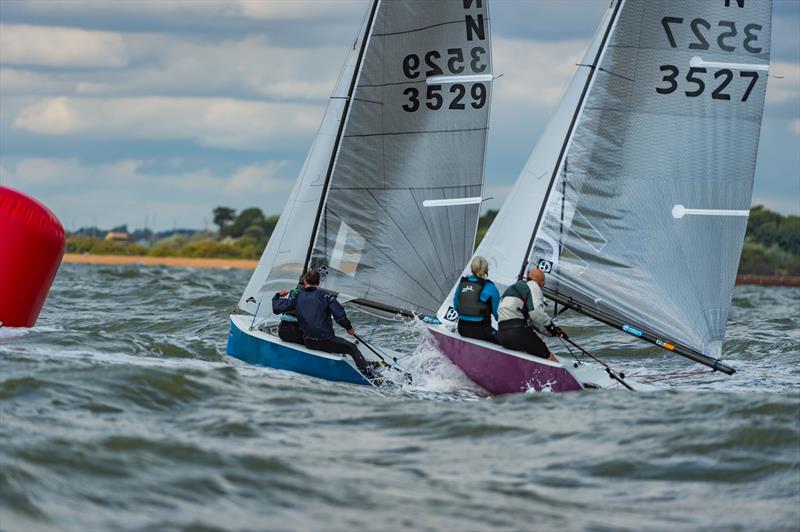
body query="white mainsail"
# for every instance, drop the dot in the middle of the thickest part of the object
(381, 204)
(640, 224)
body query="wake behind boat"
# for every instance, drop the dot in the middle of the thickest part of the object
(386, 206)
(636, 197)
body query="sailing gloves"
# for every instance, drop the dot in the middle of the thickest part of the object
(556, 331)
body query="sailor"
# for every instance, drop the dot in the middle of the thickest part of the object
(314, 308)
(522, 314)
(289, 328)
(476, 300)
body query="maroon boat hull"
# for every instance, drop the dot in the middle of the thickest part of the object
(499, 372)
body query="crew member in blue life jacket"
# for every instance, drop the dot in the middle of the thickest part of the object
(522, 314)
(476, 300)
(314, 308)
(289, 328)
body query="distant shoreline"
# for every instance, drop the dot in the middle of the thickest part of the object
(177, 262)
(246, 264)
(768, 280)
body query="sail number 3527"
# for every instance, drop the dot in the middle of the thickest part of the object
(728, 38)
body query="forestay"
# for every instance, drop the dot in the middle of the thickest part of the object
(397, 188)
(646, 200)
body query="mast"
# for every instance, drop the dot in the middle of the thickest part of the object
(568, 136)
(334, 152)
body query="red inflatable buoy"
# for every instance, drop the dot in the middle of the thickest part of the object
(31, 248)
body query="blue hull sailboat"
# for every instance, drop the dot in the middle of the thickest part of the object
(387, 203)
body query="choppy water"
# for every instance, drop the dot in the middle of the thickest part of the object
(121, 411)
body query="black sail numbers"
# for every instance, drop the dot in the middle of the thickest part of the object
(463, 61)
(725, 36)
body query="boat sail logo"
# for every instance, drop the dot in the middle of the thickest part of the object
(545, 265)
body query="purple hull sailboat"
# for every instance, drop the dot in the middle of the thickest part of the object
(502, 371)
(635, 201)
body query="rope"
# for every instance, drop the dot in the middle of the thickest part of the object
(381, 357)
(570, 350)
(372, 331)
(611, 373)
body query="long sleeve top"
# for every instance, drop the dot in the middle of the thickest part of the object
(314, 309)
(524, 300)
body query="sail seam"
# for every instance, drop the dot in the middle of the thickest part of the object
(428, 230)
(410, 243)
(404, 32)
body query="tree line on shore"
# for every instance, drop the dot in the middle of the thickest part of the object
(772, 241)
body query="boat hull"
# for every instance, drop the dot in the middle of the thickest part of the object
(501, 371)
(262, 349)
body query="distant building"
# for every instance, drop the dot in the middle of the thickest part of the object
(118, 236)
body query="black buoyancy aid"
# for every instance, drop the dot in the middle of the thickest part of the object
(520, 290)
(293, 293)
(469, 298)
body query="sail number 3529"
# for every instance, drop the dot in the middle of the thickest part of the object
(434, 95)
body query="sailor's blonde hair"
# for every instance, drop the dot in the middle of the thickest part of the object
(479, 266)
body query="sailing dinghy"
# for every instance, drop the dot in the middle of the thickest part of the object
(635, 200)
(387, 203)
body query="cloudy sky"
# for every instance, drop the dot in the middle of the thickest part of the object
(120, 111)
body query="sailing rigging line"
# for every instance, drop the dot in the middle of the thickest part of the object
(561, 226)
(570, 350)
(568, 136)
(385, 362)
(340, 130)
(619, 377)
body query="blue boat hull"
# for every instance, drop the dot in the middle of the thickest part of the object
(280, 355)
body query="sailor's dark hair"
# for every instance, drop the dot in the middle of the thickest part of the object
(302, 278)
(312, 278)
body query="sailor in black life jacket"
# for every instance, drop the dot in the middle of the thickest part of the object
(314, 308)
(522, 315)
(289, 328)
(476, 300)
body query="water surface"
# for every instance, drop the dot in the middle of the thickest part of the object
(121, 411)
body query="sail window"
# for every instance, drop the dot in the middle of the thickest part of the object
(347, 250)
(570, 263)
(587, 232)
